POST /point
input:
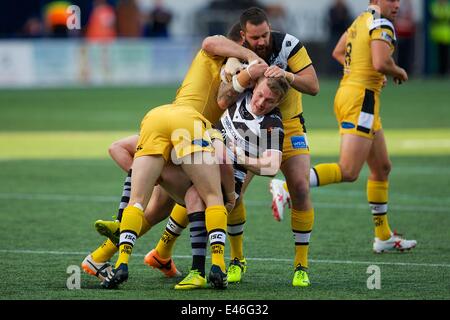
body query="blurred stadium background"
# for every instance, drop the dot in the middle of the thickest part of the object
(131, 42)
(66, 93)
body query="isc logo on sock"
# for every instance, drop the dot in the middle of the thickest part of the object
(128, 237)
(217, 237)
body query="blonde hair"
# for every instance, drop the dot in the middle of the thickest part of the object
(279, 86)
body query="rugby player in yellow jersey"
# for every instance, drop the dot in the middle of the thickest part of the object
(199, 90)
(365, 51)
(167, 134)
(287, 58)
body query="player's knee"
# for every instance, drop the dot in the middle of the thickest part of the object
(386, 168)
(350, 175)
(383, 171)
(193, 201)
(299, 192)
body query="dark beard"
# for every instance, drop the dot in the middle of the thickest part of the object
(262, 54)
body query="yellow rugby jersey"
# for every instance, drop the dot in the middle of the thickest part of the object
(201, 85)
(289, 54)
(358, 67)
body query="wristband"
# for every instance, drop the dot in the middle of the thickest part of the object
(248, 68)
(236, 85)
(285, 76)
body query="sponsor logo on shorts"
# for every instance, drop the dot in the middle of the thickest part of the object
(299, 142)
(347, 125)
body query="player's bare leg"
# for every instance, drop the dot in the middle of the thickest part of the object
(146, 171)
(206, 178)
(377, 195)
(296, 171)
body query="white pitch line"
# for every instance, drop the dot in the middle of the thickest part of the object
(109, 199)
(404, 264)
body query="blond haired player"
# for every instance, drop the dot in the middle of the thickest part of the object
(365, 51)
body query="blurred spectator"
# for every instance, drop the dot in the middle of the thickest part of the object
(129, 22)
(339, 19)
(277, 17)
(33, 28)
(55, 18)
(102, 22)
(440, 32)
(220, 15)
(159, 19)
(405, 28)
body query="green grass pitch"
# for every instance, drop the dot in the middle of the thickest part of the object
(56, 180)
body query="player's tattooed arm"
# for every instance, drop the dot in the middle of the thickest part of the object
(246, 78)
(227, 95)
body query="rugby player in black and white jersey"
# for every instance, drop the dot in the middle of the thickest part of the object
(252, 132)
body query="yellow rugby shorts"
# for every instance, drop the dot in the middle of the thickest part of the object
(357, 111)
(182, 129)
(295, 140)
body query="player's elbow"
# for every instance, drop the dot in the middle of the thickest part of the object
(380, 65)
(269, 172)
(222, 103)
(209, 44)
(338, 55)
(315, 88)
(274, 163)
(114, 149)
(335, 54)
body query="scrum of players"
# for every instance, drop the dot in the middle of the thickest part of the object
(238, 113)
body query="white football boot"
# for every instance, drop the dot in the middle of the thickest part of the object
(394, 243)
(280, 198)
(100, 270)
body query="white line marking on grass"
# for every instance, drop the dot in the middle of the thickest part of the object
(405, 264)
(333, 205)
(57, 197)
(254, 203)
(426, 144)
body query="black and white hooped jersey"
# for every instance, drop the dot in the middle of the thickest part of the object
(253, 134)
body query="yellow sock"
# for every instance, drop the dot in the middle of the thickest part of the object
(178, 221)
(328, 173)
(235, 229)
(216, 224)
(377, 195)
(145, 227)
(130, 227)
(104, 252)
(302, 224)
